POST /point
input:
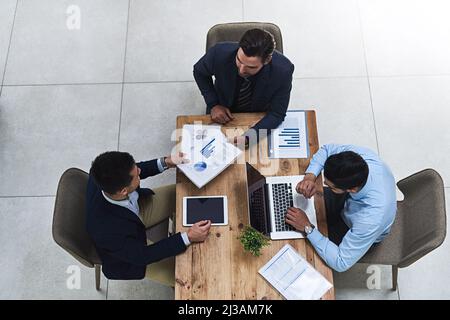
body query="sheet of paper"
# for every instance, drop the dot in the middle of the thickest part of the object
(208, 152)
(290, 139)
(294, 277)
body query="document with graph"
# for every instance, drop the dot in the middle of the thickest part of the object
(208, 151)
(293, 276)
(290, 139)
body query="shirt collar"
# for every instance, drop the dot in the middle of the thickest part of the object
(119, 202)
(363, 192)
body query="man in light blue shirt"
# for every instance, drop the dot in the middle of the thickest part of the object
(360, 202)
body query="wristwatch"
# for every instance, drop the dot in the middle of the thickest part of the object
(309, 229)
(163, 163)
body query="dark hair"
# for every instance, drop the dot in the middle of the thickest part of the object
(257, 43)
(111, 171)
(346, 170)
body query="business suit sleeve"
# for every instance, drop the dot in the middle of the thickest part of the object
(134, 251)
(278, 105)
(203, 72)
(148, 168)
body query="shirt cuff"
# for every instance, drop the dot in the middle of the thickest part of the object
(185, 239)
(314, 236)
(159, 164)
(314, 169)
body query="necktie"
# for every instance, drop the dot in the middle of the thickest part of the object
(244, 99)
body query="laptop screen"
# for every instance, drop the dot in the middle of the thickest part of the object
(257, 200)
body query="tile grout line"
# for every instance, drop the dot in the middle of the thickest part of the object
(123, 75)
(60, 84)
(329, 77)
(9, 47)
(95, 83)
(368, 78)
(39, 196)
(192, 81)
(107, 289)
(411, 75)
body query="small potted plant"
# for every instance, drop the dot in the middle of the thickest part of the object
(253, 240)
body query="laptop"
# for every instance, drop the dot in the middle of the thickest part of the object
(268, 200)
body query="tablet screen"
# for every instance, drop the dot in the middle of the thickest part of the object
(198, 209)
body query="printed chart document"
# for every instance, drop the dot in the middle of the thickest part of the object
(290, 139)
(208, 151)
(294, 277)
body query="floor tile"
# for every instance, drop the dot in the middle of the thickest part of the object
(406, 37)
(33, 265)
(411, 116)
(46, 130)
(138, 290)
(165, 38)
(149, 116)
(343, 109)
(321, 37)
(7, 10)
(45, 51)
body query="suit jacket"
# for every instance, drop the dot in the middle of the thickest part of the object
(119, 235)
(272, 88)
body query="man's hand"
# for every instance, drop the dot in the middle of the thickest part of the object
(199, 231)
(297, 218)
(307, 187)
(174, 159)
(221, 114)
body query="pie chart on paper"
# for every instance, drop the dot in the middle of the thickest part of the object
(200, 166)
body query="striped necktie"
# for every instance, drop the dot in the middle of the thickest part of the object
(244, 99)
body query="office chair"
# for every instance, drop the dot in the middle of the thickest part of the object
(419, 227)
(69, 220)
(234, 31)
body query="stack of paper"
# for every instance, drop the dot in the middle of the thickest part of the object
(294, 277)
(208, 151)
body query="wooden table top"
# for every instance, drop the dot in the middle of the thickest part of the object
(219, 268)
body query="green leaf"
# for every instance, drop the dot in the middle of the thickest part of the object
(253, 241)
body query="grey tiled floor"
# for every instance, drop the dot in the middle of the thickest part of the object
(377, 72)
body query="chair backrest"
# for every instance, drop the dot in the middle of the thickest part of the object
(420, 225)
(69, 218)
(425, 224)
(234, 31)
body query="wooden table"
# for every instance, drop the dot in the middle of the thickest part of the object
(219, 268)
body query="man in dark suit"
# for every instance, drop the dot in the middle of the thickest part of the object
(250, 76)
(119, 211)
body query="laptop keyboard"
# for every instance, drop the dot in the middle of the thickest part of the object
(282, 200)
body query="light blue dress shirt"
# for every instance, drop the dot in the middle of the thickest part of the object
(368, 213)
(132, 203)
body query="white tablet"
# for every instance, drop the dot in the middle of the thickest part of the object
(214, 208)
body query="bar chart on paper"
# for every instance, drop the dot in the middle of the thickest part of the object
(290, 139)
(208, 149)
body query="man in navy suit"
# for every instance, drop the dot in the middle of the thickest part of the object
(119, 212)
(250, 76)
